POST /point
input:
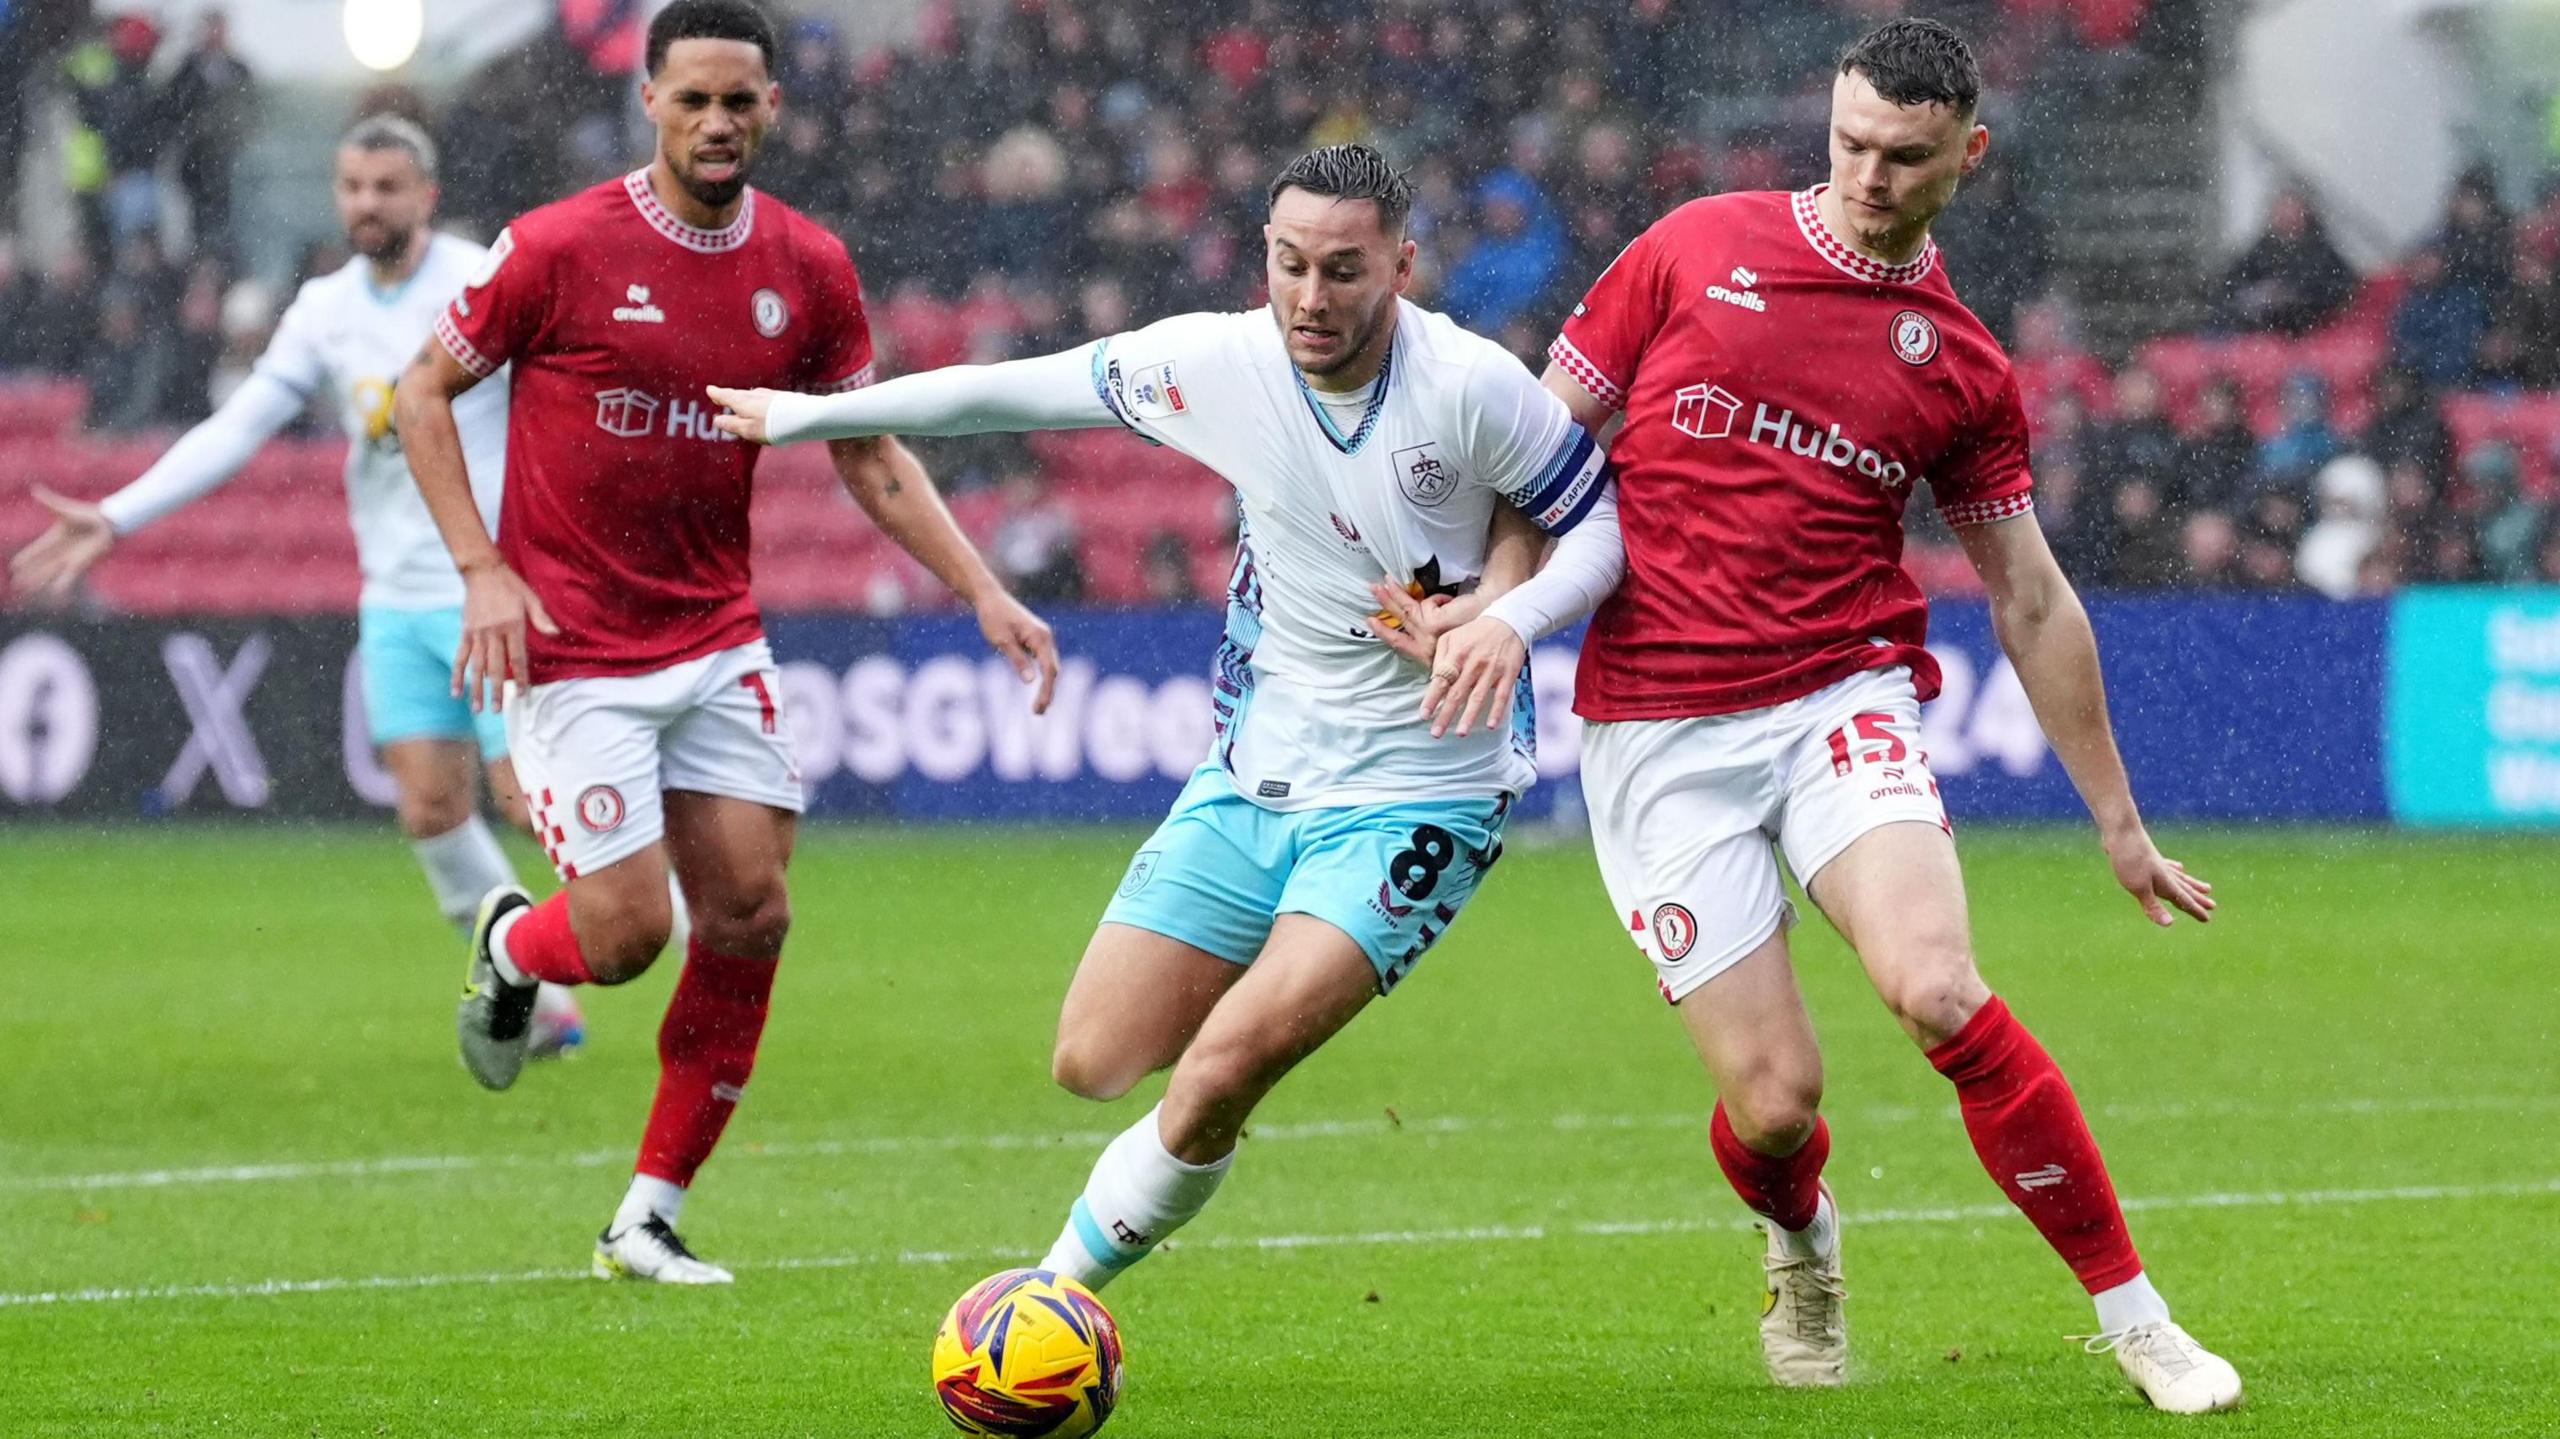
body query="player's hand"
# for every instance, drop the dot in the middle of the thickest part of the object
(1025, 640)
(747, 412)
(53, 561)
(1411, 627)
(2157, 882)
(1474, 676)
(496, 606)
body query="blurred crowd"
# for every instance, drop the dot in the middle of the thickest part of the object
(1029, 173)
(137, 306)
(2339, 493)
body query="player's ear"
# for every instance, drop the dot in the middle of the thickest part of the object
(649, 97)
(1405, 252)
(1977, 144)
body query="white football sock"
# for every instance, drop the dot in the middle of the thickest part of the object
(649, 1195)
(1818, 1240)
(463, 864)
(499, 959)
(1139, 1194)
(2130, 1305)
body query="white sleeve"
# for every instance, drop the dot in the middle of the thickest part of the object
(206, 456)
(1051, 392)
(1523, 442)
(1587, 564)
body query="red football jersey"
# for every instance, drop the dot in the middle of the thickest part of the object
(625, 507)
(1783, 395)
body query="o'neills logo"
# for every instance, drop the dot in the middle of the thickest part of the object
(1741, 293)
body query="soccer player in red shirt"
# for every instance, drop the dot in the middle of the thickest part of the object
(645, 712)
(1790, 367)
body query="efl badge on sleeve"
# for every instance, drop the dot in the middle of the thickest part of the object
(1154, 394)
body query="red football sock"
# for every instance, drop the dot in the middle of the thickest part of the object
(2027, 1128)
(541, 945)
(1787, 1188)
(706, 1049)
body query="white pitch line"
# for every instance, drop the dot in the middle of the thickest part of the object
(390, 1166)
(1391, 1238)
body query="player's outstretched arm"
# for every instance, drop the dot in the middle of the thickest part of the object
(52, 562)
(1049, 392)
(893, 489)
(2046, 635)
(496, 603)
(199, 463)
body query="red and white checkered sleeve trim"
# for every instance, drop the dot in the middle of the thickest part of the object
(463, 351)
(1607, 391)
(859, 380)
(1984, 512)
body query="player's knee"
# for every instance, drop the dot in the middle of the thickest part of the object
(1937, 995)
(1090, 1070)
(1775, 1112)
(625, 940)
(428, 814)
(625, 955)
(750, 923)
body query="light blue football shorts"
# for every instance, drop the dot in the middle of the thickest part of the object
(1221, 868)
(408, 680)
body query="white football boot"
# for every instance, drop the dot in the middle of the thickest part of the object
(651, 1249)
(2169, 1368)
(1803, 1336)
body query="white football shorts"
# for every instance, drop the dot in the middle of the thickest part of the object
(1687, 815)
(594, 754)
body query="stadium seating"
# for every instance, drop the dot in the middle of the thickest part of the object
(2343, 355)
(275, 540)
(2529, 423)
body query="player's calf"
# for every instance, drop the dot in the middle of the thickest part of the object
(1214, 1089)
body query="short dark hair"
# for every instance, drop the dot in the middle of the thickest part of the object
(1917, 62)
(709, 20)
(1351, 172)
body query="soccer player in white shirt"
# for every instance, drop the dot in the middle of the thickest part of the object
(349, 333)
(1329, 839)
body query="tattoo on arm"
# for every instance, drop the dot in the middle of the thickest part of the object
(894, 487)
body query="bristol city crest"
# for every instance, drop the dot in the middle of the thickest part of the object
(769, 313)
(1915, 339)
(1674, 931)
(599, 808)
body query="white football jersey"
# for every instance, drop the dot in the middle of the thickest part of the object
(343, 334)
(1312, 709)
